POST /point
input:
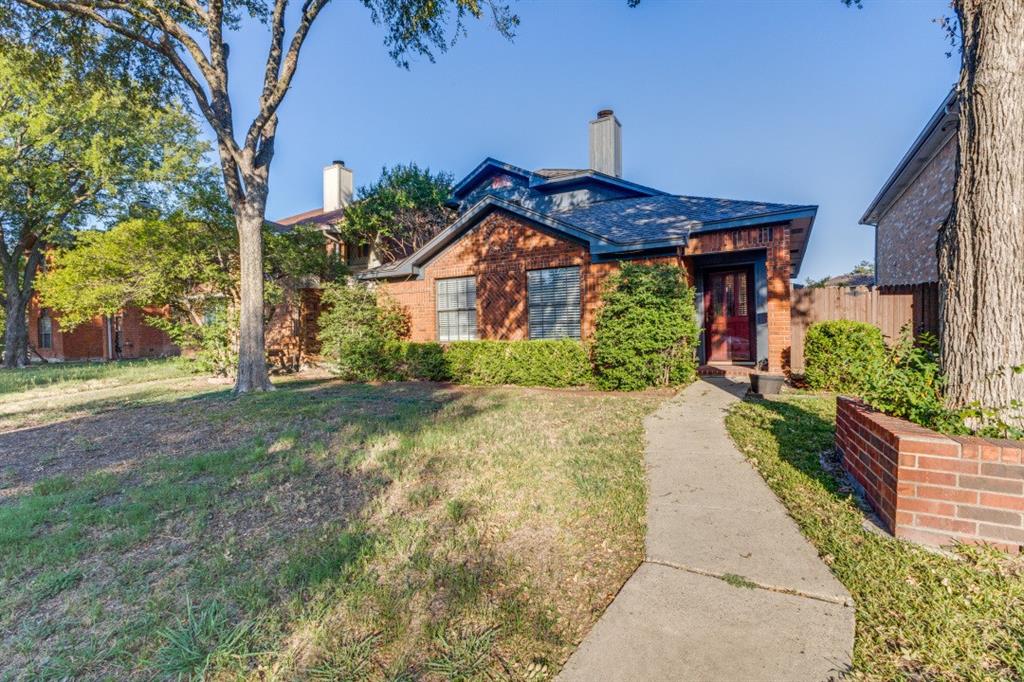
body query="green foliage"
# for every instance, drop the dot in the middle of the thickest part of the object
(360, 332)
(424, 361)
(908, 384)
(399, 212)
(202, 639)
(647, 330)
(556, 363)
(187, 260)
(210, 343)
(839, 355)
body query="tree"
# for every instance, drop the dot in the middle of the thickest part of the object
(76, 148)
(187, 260)
(981, 243)
(175, 30)
(400, 212)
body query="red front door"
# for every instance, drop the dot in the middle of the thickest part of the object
(729, 315)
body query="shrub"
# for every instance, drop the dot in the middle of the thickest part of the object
(907, 384)
(646, 331)
(425, 361)
(360, 332)
(839, 355)
(555, 363)
(210, 347)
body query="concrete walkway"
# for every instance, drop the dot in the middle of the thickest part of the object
(730, 589)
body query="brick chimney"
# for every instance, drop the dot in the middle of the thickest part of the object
(337, 186)
(606, 143)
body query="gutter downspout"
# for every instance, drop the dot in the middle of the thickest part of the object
(110, 340)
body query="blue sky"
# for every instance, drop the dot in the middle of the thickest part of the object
(794, 102)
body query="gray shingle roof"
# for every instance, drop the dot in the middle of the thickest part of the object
(644, 219)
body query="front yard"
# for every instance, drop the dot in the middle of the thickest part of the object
(325, 530)
(920, 615)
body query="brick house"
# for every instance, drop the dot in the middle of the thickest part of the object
(124, 336)
(529, 251)
(913, 203)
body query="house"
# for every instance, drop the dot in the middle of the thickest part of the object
(291, 331)
(529, 251)
(124, 336)
(338, 194)
(913, 203)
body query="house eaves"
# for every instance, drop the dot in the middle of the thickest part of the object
(940, 127)
(412, 265)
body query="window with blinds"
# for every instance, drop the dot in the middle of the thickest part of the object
(456, 309)
(554, 303)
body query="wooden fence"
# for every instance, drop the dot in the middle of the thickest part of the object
(888, 308)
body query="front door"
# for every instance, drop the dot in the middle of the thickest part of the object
(729, 315)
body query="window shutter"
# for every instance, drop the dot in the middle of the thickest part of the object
(554, 303)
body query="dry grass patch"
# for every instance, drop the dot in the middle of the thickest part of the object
(332, 531)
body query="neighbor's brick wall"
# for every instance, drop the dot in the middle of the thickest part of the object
(293, 328)
(88, 341)
(932, 488)
(498, 252)
(140, 340)
(778, 266)
(906, 235)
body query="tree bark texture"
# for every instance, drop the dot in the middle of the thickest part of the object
(252, 362)
(981, 245)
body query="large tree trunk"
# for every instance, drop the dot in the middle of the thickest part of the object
(981, 252)
(15, 332)
(252, 362)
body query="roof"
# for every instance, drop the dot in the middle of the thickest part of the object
(850, 279)
(669, 219)
(544, 180)
(557, 172)
(316, 216)
(618, 226)
(940, 127)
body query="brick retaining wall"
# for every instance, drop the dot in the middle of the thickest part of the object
(932, 488)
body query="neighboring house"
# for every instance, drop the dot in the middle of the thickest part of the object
(529, 252)
(291, 332)
(338, 194)
(123, 336)
(914, 202)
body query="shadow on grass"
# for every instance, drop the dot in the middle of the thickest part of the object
(119, 433)
(802, 433)
(253, 499)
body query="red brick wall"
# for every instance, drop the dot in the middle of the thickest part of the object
(932, 488)
(291, 332)
(88, 341)
(778, 271)
(503, 247)
(498, 252)
(906, 235)
(140, 340)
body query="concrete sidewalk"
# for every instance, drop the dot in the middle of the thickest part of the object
(730, 589)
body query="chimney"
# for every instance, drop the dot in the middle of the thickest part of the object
(337, 186)
(606, 143)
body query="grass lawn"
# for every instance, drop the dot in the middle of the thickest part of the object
(322, 531)
(69, 376)
(920, 615)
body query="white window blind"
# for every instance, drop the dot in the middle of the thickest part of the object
(554, 302)
(456, 309)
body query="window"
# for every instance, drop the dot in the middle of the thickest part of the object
(554, 299)
(456, 309)
(45, 330)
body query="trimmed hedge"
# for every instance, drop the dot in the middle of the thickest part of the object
(552, 363)
(424, 361)
(842, 355)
